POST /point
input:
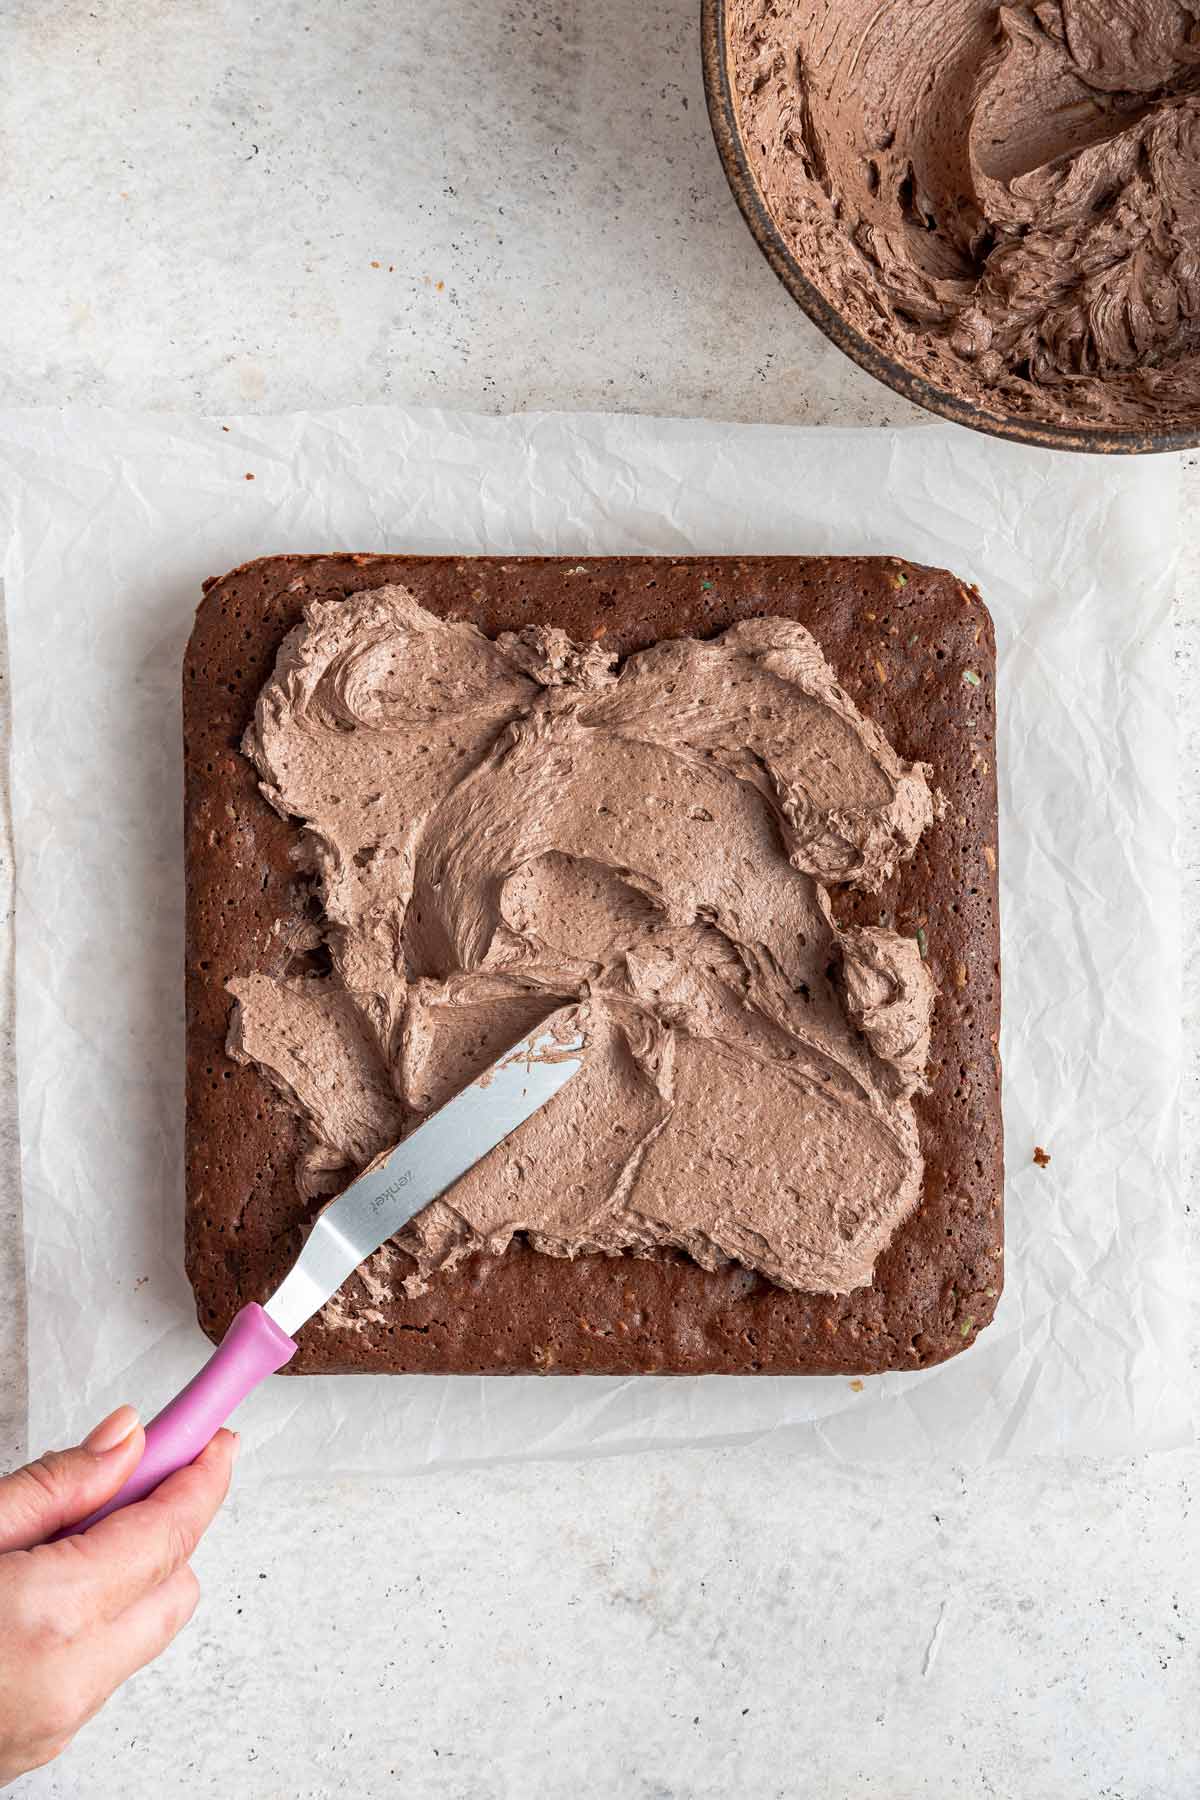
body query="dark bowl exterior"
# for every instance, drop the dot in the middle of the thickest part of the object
(722, 112)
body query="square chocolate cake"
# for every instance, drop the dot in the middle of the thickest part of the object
(742, 813)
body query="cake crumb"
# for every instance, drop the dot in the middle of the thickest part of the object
(1041, 1157)
(856, 1387)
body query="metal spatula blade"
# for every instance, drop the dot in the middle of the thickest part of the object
(427, 1162)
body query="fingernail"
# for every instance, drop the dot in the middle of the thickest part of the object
(111, 1431)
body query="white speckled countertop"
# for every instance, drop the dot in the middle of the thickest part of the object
(500, 204)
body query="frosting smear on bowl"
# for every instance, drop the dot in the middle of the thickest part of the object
(501, 828)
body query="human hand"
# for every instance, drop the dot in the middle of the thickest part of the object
(77, 1618)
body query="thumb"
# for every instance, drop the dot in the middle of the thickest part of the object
(66, 1485)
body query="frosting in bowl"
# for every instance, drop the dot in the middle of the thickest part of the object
(1005, 199)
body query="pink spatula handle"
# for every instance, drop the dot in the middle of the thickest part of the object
(253, 1348)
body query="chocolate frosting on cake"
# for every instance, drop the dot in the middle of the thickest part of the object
(1006, 198)
(501, 828)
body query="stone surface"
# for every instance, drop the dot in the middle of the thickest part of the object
(487, 203)
(200, 196)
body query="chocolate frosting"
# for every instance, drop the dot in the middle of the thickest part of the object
(503, 829)
(1005, 198)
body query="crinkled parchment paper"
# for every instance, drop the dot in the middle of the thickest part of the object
(113, 521)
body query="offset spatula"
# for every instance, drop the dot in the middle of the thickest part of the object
(430, 1160)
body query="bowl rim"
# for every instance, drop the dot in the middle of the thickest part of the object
(722, 113)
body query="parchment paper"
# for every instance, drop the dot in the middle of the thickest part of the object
(114, 521)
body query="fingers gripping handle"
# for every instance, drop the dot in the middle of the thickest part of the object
(253, 1348)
